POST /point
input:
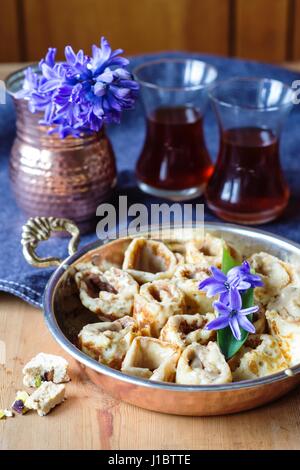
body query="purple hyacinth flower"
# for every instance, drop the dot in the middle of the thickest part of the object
(82, 93)
(50, 57)
(243, 273)
(30, 84)
(103, 57)
(219, 283)
(233, 315)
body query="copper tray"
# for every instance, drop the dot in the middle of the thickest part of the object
(65, 316)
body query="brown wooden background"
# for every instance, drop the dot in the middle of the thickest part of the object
(266, 30)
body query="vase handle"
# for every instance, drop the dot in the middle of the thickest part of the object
(39, 229)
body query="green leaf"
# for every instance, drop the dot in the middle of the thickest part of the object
(228, 261)
(226, 341)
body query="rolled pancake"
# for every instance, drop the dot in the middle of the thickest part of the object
(152, 359)
(202, 365)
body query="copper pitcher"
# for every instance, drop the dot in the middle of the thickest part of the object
(58, 177)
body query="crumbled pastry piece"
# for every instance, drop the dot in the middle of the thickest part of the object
(283, 316)
(45, 367)
(151, 359)
(109, 294)
(108, 342)
(260, 356)
(46, 397)
(183, 330)
(19, 404)
(149, 260)
(275, 274)
(187, 278)
(208, 251)
(156, 302)
(259, 320)
(6, 414)
(202, 365)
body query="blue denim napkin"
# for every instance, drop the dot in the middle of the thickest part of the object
(20, 279)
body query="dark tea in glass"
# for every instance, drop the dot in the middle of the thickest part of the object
(174, 162)
(174, 154)
(249, 177)
(248, 185)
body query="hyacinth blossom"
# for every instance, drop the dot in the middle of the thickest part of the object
(233, 315)
(82, 93)
(239, 277)
(230, 288)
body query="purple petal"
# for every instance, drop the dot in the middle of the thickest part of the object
(243, 285)
(120, 92)
(122, 74)
(224, 298)
(21, 94)
(222, 308)
(249, 310)
(100, 89)
(70, 55)
(235, 299)
(50, 85)
(113, 103)
(206, 282)
(233, 281)
(98, 110)
(106, 77)
(49, 111)
(233, 272)
(117, 52)
(80, 56)
(50, 56)
(215, 289)
(246, 324)
(105, 48)
(256, 281)
(246, 265)
(218, 274)
(131, 84)
(234, 326)
(119, 62)
(218, 323)
(48, 72)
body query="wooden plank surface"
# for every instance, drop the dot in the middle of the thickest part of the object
(261, 29)
(9, 32)
(90, 419)
(258, 29)
(136, 26)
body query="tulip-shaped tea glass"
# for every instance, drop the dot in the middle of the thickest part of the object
(248, 185)
(174, 162)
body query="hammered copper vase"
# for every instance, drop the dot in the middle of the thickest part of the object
(58, 177)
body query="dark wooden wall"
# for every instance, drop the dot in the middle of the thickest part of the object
(267, 30)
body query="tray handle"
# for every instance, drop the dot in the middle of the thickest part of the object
(39, 229)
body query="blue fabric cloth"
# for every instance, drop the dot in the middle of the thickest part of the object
(20, 279)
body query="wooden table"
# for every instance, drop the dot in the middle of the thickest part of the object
(92, 420)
